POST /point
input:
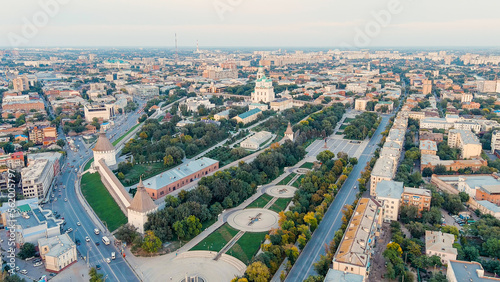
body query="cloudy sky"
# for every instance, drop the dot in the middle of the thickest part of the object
(252, 23)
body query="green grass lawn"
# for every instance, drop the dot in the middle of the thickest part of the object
(347, 120)
(307, 165)
(207, 223)
(343, 126)
(146, 170)
(339, 133)
(217, 240)
(280, 204)
(89, 163)
(287, 179)
(260, 202)
(247, 246)
(102, 202)
(123, 136)
(296, 184)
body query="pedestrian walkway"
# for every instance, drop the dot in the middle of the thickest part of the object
(229, 244)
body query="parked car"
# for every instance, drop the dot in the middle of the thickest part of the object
(38, 264)
(78, 223)
(87, 239)
(24, 271)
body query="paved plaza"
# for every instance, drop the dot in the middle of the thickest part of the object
(336, 144)
(254, 220)
(281, 191)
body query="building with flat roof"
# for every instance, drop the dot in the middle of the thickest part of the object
(101, 112)
(467, 271)
(37, 178)
(33, 223)
(427, 135)
(342, 276)
(58, 252)
(428, 147)
(248, 116)
(171, 180)
(389, 196)
(466, 141)
(384, 169)
(43, 134)
(489, 208)
(355, 249)
(420, 198)
(495, 141)
(262, 107)
(254, 142)
(360, 104)
(281, 104)
(440, 244)
(431, 161)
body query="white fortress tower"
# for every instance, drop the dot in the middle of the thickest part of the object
(140, 207)
(104, 150)
(289, 132)
(264, 90)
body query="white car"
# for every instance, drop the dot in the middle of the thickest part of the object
(24, 271)
(108, 260)
(65, 199)
(38, 264)
(69, 230)
(78, 223)
(87, 239)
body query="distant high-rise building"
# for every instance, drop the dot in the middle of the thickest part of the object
(21, 83)
(264, 90)
(426, 87)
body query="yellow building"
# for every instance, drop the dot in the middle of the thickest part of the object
(58, 252)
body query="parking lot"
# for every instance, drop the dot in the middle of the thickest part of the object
(337, 144)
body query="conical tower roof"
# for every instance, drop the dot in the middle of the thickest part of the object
(142, 202)
(289, 129)
(103, 144)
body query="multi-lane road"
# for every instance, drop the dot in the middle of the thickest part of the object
(72, 211)
(333, 218)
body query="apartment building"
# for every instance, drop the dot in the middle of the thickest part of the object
(45, 135)
(101, 112)
(440, 244)
(360, 104)
(389, 196)
(37, 178)
(21, 83)
(466, 141)
(428, 147)
(420, 198)
(384, 169)
(458, 270)
(355, 249)
(58, 252)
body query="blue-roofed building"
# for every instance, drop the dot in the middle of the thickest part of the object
(388, 194)
(489, 208)
(171, 180)
(342, 276)
(467, 271)
(248, 116)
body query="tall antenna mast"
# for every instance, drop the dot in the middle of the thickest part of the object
(176, 53)
(197, 47)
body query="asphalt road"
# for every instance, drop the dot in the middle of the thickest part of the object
(73, 211)
(333, 218)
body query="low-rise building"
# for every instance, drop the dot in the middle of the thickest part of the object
(388, 104)
(355, 249)
(221, 115)
(428, 147)
(440, 244)
(431, 161)
(58, 252)
(427, 135)
(262, 107)
(281, 104)
(171, 180)
(254, 142)
(360, 104)
(33, 223)
(486, 207)
(248, 116)
(420, 198)
(389, 196)
(458, 271)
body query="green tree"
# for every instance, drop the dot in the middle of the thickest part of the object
(61, 143)
(492, 247)
(416, 229)
(127, 233)
(408, 213)
(151, 243)
(27, 250)
(325, 156)
(464, 197)
(257, 272)
(95, 276)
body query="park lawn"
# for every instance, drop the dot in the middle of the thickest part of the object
(296, 184)
(307, 165)
(89, 163)
(260, 202)
(339, 133)
(208, 223)
(102, 202)
(287, 179)
(247, 246)
(343, 126)
(146, 170)
(280, 204)
(347, 120)
(217, 240)
(123, 136)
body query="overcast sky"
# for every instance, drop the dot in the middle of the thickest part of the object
(252, 23)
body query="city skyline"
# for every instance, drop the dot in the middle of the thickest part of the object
(227, 23)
